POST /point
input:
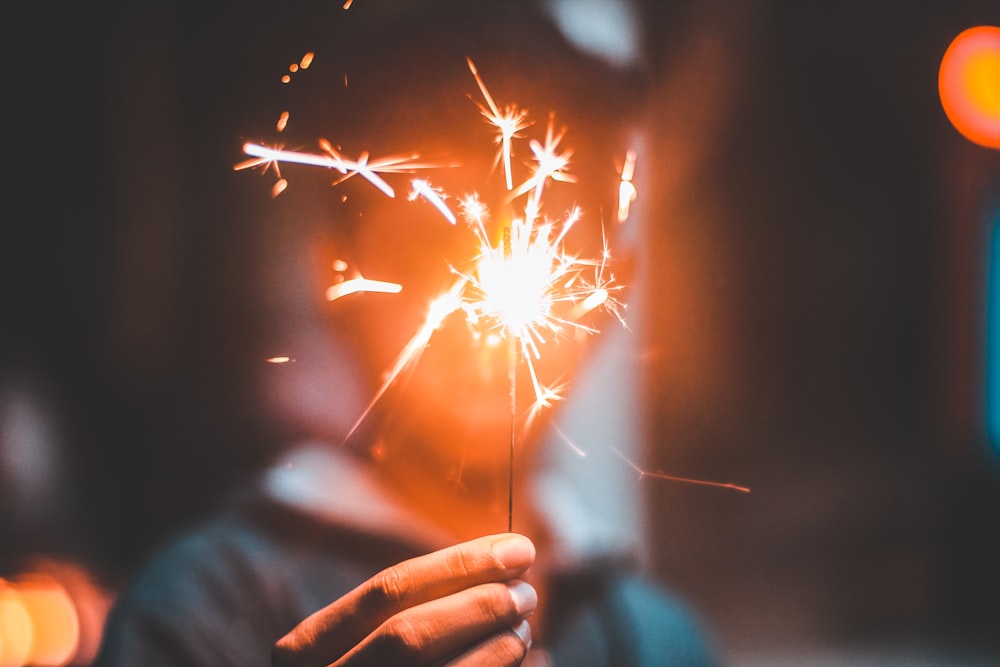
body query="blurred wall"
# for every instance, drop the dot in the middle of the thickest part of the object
(819, 327)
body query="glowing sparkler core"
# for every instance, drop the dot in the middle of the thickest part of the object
(516, 288)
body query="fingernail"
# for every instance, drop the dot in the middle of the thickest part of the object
(514, 552)
(524, 596)
(523, 632)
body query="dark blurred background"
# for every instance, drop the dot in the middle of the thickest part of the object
(817, 324)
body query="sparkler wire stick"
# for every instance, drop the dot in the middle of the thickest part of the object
(512, 377)
(512, 380)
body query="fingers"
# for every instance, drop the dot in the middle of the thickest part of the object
(453, 579)
(430, 632)
(501, 650)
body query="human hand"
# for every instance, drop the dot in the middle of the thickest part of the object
(462, 606)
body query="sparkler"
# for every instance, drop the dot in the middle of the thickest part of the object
(522, 287)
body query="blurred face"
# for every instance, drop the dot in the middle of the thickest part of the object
(447, 379)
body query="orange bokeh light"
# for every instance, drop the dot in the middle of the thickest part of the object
(969, 84)
(16, 629)
(39, 625)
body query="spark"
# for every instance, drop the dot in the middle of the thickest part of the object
(626, 189)
(687, 480)
(262, 160)
(279, 360)
(333, 159)
(355, 285)
(509, 122)
(422, 188)
(569, 442)
(437, 312)
(550, 164)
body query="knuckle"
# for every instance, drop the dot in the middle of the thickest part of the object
(461, 564)
(389, 586)
(401, 639)
(495, 603)
(465, 564)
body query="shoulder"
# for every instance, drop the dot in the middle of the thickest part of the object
(226, 590)
(174, 609)
(659, 624)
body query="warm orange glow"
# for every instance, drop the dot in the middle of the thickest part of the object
(969, 84)
(439, 309)
(307, 60)
(282, 121)
(39, 625)
(522, 287)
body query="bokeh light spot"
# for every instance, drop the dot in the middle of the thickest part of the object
(16, 631)
(969, 84)
(39, 625)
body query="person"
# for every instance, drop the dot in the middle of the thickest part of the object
(379, 532)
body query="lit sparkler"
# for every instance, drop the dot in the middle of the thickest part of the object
(525, 286)
(522, 287)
